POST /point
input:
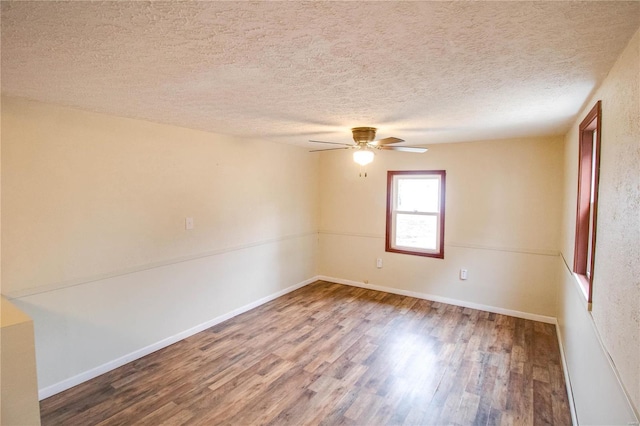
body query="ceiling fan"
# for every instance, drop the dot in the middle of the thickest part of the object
(365, 145)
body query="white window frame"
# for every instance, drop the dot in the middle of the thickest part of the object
(392, 212)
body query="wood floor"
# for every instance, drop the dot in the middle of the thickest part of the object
(331, 354)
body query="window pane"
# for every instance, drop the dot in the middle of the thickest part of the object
(415, 212)
(418, 195)
(416, 231)
(593, 165)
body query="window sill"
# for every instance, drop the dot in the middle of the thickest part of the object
(415, 253)
(583, 286)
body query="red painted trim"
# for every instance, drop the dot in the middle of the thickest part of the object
(387, 235)
(443, 189)
(596, 183)
(390, 175)
(592, 122)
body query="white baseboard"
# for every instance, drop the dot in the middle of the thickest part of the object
(119, 362)
(449, 301)
(567, 380)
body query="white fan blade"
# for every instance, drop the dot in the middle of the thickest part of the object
(332, 143)
(404, 148)
(387, 141)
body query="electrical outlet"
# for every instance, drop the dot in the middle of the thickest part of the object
(463, 274)
(379, 263)
(188, 223)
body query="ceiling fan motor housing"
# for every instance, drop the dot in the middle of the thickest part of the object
(363, 135)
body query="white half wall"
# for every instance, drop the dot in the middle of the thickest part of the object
(498, 281)
(598, 395)
(79, 329)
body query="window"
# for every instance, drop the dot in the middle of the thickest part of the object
(588, 168)
(415, 212)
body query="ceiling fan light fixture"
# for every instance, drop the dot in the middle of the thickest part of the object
(363, 156)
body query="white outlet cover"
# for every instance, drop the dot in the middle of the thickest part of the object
(188, 223)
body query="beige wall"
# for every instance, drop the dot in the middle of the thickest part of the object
(18, 385)
(93, 195)
(502, 223)
(616, 289)
(93, 237)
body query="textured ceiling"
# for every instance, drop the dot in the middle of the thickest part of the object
(427, 72)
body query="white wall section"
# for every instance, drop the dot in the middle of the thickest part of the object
(615, 317)
(502, 223)
(598, 396)
(94, 240)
